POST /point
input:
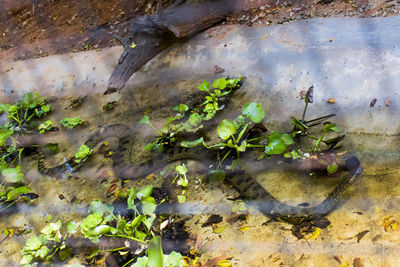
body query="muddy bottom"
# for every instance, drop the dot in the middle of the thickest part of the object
(359, 232)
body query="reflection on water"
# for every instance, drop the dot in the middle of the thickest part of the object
(245, 236)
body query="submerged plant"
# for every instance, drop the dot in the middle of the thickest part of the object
(71, 122)
(83, 153)
(190, 120)
(45, 126)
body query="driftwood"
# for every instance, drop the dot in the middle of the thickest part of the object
(154, 33)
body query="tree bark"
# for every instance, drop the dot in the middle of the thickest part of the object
(151, 34)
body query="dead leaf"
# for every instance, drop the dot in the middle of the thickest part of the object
(338, 259)
(265, 36)
(376, 238)
(357, 263)
(388, 102)
(331, 40)
(361, 235)
(112, 188)
(331, 100)
(373, 102)
(303, 94)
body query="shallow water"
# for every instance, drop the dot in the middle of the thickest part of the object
(371, 135)
(363, 206)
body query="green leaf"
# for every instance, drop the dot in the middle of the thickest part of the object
(145, 192)
(254, 112)
(65, 253)
(205, 86)
(149, 205)
(333, 168)
(144, 120)
(53, 147)
(34, 243)
(242, 147)
(140, 235)
(72, 227)
(71, 122)
(216, 175)
(17, 192)
(181, 169)
(4, 135)
(298, 124)
(51, 230)
(101, 230)
(26, 259)
(226, 128)
(137, 220)
(141, 262)
(181, 108)
(46, 108)
(174, 259)
(4, 107)
(13, 175)
(278, 143)
(101, 208)
(45, 126)
(330, 127)
(83, 153)
(90, 222)
(193, 143)
(155, 253)
(195, 119)
(42, 252)
(181, 198)
(219, 84)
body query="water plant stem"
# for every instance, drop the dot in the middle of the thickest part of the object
(129, 237)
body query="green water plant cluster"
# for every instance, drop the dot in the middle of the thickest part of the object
(71, 123)
(103, 222)
(234, 135)
(190, 120)
(21, 113)
(181, 180)
(22, 116)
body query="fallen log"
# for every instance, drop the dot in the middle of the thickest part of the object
(151, 34)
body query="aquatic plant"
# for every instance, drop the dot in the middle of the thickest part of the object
(71, 122)
(190, 120)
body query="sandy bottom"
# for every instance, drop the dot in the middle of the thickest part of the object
(253, 241)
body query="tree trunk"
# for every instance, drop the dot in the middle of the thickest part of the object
(151, 34)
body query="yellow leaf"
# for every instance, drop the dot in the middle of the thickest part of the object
(220, 229)
(133, 45)
(315, 234)
(150, 176)
(244, 228)
(11, 232)
(116, 193)
(224, 263)
(265, 36)
(346, 264)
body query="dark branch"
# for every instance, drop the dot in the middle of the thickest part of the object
(150, 35)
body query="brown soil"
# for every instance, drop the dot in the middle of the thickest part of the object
(34, 28)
